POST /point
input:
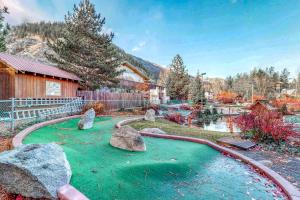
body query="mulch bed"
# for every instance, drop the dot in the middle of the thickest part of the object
(5, 144)
(5, 196)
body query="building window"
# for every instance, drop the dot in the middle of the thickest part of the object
(53, 88)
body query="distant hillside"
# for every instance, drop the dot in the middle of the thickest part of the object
(154, 69)
(29, 40)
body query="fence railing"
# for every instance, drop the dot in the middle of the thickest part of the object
(114, 101)
(14, 112)
(31, 102)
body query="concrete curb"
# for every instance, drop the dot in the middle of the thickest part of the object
(291, 191)
(66, 192)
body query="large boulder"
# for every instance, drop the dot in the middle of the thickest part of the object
(87, 120)
(128, 138)
(150, 115)
(153, 130)
(35, 170)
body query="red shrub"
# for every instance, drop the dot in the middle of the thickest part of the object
(265, 125)
(226, 97)
(175, 117)
(245, 122)
(292, 103)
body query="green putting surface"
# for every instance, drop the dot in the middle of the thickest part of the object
(168, 170)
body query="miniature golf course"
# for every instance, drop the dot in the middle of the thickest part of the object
(168, 170)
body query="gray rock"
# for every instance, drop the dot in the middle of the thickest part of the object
(267, 163)
(128, 138)
(35, 170)
(87, 120)
(150, 115)
(153, 130)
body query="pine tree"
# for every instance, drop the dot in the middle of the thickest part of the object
(284, 78)
(178, 80)
(3, 29)
(197, 90)
(229, 83)
(85, 50)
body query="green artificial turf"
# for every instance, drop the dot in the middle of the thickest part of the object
(168, 170)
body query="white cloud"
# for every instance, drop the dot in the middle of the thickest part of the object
(23, 11)
(139, 46)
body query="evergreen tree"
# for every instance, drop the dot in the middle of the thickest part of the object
(178, 80)
(197, 90)
(229, 83)
(85, 50)
(47, 30)
(3, 29)
(284, 78)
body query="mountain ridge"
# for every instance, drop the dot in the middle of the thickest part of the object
(29, 40)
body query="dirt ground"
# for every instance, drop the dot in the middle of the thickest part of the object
(284, 164)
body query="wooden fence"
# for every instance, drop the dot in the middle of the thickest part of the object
(114, 101)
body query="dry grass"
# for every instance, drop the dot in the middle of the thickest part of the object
(176, 129)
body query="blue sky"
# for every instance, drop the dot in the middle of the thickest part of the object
(219, 37)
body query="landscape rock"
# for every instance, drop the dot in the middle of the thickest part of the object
(150, 115)
(87, 120)
(128, 138)
(34, 170)
(267, 163)
(153, 130)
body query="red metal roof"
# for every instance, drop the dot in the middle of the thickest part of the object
(29, 65)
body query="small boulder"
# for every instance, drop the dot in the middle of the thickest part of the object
(267, 163)
(150, 115)
(34, 170)
(87, 120)
(153, 130)
(128, 138)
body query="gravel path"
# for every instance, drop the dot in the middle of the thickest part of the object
(285, 165)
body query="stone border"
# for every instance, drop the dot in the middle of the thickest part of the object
(292, 192)
(66, 192)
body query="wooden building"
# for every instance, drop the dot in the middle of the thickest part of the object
(261, 105)
(132, 79)
(25, 78)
